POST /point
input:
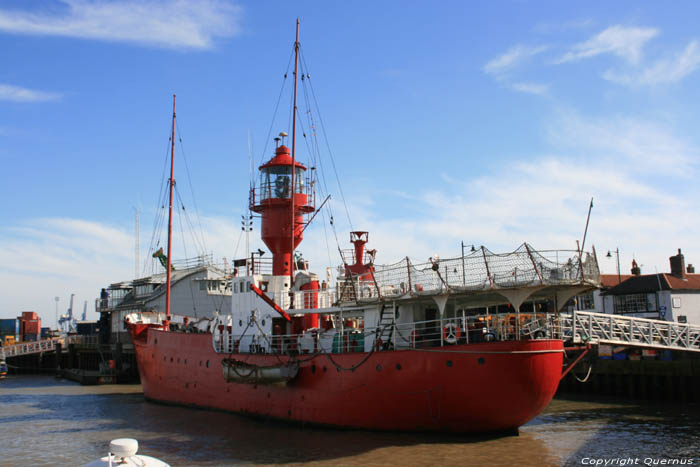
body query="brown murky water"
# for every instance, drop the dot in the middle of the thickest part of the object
(44, 421)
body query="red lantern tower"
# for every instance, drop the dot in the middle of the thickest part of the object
(274, 201)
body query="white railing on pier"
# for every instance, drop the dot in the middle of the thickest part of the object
(599, 328)
(26, 348)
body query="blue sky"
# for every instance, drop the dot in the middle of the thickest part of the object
(493, 123)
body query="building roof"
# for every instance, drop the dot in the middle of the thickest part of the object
(655, 282)
(611, 280)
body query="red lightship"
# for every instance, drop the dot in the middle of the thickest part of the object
(466, 344)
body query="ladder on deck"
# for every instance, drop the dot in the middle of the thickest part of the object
(602, 328)
(387, 324)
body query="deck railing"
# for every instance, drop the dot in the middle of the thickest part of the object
(573, 328)
(416, 335)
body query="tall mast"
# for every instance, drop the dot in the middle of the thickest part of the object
(294, 140)
(170, 217)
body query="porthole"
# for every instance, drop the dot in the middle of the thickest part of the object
(449, 362)
(240, 322)
(313, 368)
(398, 366)
(263, 322)
(379, 367)
(481, 360)
(207, 363)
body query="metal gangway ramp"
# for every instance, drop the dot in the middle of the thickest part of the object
(602, 328)
(26, 348)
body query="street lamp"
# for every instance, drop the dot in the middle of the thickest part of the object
(617, 253)
(464, 272)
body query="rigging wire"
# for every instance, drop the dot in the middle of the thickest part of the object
(274, 114)
(325, 135)
(189, 180)
(323, 185)
(179, 218)
(200, 246)
(157, 220)
(314, 150)
(235, 253)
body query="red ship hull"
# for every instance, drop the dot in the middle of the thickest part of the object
(482, 387)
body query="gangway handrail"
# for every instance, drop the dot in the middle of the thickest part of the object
(604, 328)
(27, 348)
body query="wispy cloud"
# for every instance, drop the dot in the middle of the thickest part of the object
(625, 42)
(12, 93)
(166, 23)
(627, 144)
(663, 71)
(503, 67)
(515, 56)
(531, 88)
(626, 163)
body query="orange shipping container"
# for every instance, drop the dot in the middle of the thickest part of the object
(31, 326)
(29, 315)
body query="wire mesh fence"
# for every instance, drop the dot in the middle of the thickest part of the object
(480, 270)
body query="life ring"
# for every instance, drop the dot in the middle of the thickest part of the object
(451, 333)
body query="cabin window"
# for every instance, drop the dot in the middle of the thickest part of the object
(202, 285)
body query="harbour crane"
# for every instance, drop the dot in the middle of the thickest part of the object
(66, 321)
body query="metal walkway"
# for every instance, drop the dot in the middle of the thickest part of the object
(26, 348)
(599, 328)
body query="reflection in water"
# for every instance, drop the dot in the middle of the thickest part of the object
(46, 421)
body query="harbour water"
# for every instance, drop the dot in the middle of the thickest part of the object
(45, 421)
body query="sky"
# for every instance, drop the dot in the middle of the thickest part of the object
(488, 123)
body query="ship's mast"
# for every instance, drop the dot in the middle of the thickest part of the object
(170, 218)
(294, 134)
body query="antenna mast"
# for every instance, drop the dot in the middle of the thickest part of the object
(170, 218)
(294, 135)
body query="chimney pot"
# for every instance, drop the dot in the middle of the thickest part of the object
(678, 265)
(636, 270)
